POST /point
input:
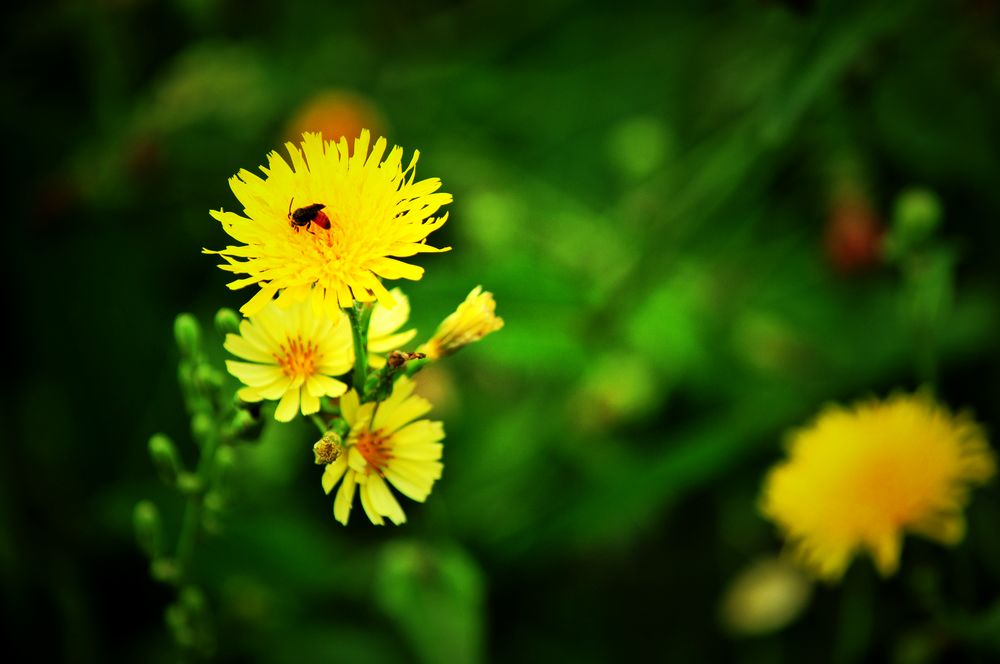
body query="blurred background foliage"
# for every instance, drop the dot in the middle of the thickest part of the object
(681, 209)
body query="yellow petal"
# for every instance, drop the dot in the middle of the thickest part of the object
(345, 496)
(288, 406)
(333, 472)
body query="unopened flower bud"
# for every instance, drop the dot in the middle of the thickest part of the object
(193, 599)
(187, 332)
(189, 484)
(207, 377)
(202, 426)
(179, 622)
(164, 570)
(328, 449)
(472, 320)
(148, 528)
(917, 214)
(225, 459)
(165, 458)
(227, 321)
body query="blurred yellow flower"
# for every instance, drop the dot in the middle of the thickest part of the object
(387, 443)
(382, 329)
(472, 320)
(858, 478)
(293, 355)
(331, 225)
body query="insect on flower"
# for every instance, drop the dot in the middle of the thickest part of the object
(310, 214)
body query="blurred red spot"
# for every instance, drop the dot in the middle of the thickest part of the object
(853, 236)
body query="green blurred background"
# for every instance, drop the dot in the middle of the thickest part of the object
(681, 210)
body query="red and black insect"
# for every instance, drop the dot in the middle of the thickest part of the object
(310, 214)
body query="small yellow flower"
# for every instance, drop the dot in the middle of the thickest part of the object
(382, 329)
(385, 445)
(373, 213)
(293, 355)
(858, 478)
(472, 320)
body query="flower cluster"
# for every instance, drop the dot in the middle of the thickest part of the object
(323, 336)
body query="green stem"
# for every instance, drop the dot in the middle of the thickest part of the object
(320, 424)
(192, 512)
(359, 329)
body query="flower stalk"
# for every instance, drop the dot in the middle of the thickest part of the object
(359, 314)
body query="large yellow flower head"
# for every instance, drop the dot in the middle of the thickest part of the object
(331, 224)
(858, 478)
(387, 445)
(292, 355)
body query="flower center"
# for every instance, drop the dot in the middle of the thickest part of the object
(375, 449)
(297, 357)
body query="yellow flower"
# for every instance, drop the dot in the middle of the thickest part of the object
(858, 478)
(374, 210)
(385, 445)
(293, 356)
(473, 320)
(382, 335)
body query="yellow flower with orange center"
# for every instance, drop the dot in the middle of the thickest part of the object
(291, 356)
(859, 478)
(330, 225)
(471, 321)
(387, 444)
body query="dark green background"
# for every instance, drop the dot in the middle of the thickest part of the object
(647, 191)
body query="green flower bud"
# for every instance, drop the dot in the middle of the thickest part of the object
(227, 321)
(164, 570)
(179, 622)
(225, 460)
(165, 458)
(210, 518)
(191, 620)
(187, 332)
(202, 427)
(244, 426)
(148, 528)
(189, 484)
(917, 214)
(207, 377)
(242, 421)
